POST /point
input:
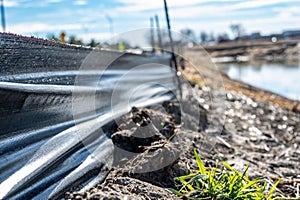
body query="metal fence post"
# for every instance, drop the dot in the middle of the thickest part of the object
(160, 45)
(3, 16)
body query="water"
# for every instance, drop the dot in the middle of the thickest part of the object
(280, 78)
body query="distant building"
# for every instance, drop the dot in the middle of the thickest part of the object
(243, 38)
(255, 36)
(294, 34)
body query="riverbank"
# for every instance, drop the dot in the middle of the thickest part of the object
(244, 51)
(240, 124)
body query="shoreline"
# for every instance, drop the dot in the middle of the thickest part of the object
(245, 51)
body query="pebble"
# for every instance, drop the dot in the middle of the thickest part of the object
(284, 118)
(249, 101)
(290, 128)
(255, 130)
(284, 126)
(206, 107)
(272, 118)
(229, 96)
(201, 100)
(254, 104)
(229, 120)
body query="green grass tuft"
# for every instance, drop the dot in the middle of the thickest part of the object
(222, 183)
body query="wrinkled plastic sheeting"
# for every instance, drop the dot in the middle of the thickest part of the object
(52, 137)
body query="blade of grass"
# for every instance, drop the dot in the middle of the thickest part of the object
(186, 184)
(233, 182)
(175, 192)
(273, 189)
(222, 183)
(199, 163)
(187, 176)
(251, 183)
(234, 170)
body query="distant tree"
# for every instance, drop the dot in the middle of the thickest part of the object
(189, 33)
(74, 40)
(237, 30)
(93, 43)
(52, 37)
(203, 37)
(211, 37)
(223, 37)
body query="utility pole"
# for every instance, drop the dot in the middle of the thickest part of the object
(170, 36)
(152, 34)
(172, 49)
(111, 24)
(158, 32)
(3, 16)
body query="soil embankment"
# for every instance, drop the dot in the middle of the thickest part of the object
(240, 124)
(281, 50)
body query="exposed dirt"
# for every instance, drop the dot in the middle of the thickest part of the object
(223, 119)
(256, 133)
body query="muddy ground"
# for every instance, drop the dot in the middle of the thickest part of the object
(221, 124)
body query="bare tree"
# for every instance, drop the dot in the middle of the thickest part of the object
(237, 30)
(222, 37)
(211, 37)
(203, 37)
(189, 33)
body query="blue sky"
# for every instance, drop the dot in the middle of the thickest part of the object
(88, 18)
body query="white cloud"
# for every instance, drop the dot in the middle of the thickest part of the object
(264, 25)
(30, 3)
(288, 11)
(10, 3)
(218, 17)
(80, 2)
(217, 13)
(25, 28)
(272, 24)
(98, 36)
(139, 5)
(53, 1)
(196, 14)
(257, 3)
